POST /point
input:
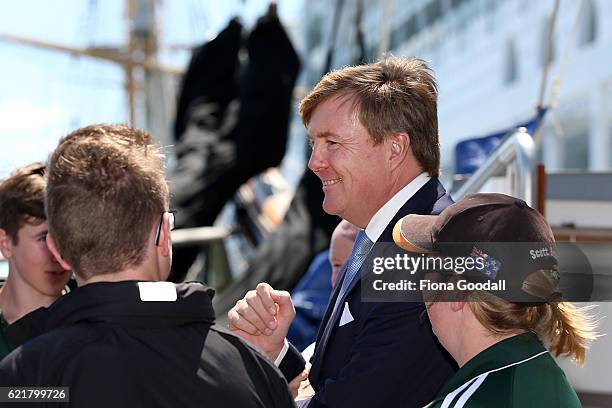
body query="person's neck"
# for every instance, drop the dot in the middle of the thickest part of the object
(476, 340)
(136, 274)
(18, 298)
(398, 181)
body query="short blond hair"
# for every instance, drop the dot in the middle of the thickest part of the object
(389, 96)
(105, 188)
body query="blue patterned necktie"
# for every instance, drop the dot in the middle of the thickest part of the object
(361, 248)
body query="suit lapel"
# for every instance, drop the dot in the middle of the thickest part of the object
(332, 302)
(318, 352)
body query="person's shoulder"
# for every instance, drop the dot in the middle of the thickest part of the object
(253, 358)
(54, 347)
(42, 344)
(535, 383)
(21, 365)
(543, 383)
(538, 382)
(239, 356)
(227, 339)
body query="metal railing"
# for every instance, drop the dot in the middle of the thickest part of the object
(215, 270)
(198, 236)
(515, 153)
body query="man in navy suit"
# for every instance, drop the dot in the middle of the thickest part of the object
(374, 135)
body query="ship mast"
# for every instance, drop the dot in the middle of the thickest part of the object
(137, 58)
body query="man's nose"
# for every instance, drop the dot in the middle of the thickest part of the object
(52, 257)
(317, 160)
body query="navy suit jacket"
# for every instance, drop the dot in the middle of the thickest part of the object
(388, 355)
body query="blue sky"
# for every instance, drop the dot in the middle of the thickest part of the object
(45, 94)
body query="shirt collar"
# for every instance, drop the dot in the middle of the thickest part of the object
(385, 214)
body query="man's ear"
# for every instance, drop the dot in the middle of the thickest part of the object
(56, 254)
(6, 244)
(165, 243)
(399, 143)
(457, 306)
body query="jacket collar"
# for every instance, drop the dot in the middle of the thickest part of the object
(431, 199)
(385, 214)
(118, 303)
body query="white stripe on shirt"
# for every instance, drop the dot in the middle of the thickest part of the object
(451, 396)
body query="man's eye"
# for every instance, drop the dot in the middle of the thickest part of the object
(331, 143)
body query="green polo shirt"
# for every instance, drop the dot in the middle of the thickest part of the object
(516, 372)
(4, 346)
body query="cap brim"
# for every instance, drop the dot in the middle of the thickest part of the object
(414, 233)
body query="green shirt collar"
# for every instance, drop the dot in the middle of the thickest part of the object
(508, 351)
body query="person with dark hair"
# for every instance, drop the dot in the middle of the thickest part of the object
(35, 278)
(374, 134)
(125, 337)
(497, 336)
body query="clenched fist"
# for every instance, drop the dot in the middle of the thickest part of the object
(263, 318)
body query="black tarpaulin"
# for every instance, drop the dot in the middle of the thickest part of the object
(235, 120)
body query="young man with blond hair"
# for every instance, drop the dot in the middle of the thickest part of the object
(35, 278)
(125, 337)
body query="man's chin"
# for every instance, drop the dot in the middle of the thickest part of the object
(330, 209)
(52, 290)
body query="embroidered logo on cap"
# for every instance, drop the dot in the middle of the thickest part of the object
(490, 265)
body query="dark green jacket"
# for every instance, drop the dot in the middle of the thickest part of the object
(516, 372)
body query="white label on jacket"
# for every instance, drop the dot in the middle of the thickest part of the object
(157, 291)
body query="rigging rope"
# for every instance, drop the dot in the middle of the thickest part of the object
(556, 82)
(549, 50)
(334, 34)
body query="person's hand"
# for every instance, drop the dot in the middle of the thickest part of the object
(305, 391)
(263, 318)
(295, 384)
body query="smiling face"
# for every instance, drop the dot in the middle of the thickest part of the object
(356, 174)
(32, 264)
